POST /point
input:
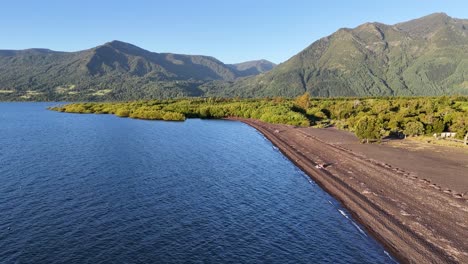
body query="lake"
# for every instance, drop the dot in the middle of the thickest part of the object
(102, 189)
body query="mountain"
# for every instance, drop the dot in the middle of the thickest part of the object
(254, 67)
(426, 56)
(113, 71)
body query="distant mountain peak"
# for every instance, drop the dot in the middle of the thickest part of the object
(437, 15)
(125, 47)
(432, 19)
(425, 25)
(119, 44)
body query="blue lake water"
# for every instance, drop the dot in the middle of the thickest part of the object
(102, 189)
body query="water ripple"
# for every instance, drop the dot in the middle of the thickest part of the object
(101, 189)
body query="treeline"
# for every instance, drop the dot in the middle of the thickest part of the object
(375, 118)
(266, 110)
(368, 118)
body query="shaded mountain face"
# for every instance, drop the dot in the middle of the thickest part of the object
(115, 70)
(255, 67)
(426, 56)
(131, 60)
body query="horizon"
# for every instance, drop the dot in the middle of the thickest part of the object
(186, 29)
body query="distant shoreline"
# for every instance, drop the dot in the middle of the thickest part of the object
(416, 224)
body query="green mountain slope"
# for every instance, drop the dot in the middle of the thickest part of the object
(255, 67)
(426, 56)
(113, 71)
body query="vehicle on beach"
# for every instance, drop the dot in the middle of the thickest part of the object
(320, 166)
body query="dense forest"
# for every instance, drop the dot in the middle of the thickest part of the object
(368, 118)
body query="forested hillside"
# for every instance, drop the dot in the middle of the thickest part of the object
(113, 71)
(426, 56)
(422, 57)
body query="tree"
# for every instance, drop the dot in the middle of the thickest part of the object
(460, 125)
(414, 128)
(431, 123)
(438, 126)
(369, 127)
(303, 101)
(122, 112)
(205, 112)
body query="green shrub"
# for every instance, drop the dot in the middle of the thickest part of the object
(414, 128)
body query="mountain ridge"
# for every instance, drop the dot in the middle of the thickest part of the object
(425, 56)
(114, 70)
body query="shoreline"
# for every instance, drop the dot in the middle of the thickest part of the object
(414, 223)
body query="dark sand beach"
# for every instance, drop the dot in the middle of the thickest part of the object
(412, 199)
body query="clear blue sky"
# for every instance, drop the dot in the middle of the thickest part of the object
(230, 30)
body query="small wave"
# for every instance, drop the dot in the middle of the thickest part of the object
(389, 256)
(343, 213)
(352, 222)
(358, 228)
